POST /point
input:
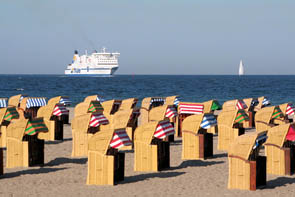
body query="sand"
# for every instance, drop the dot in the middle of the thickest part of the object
(65, 176)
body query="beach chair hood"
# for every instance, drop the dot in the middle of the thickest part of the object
(81, 123)
(88, 99)
(14, 100)
(128, 103)
(229, 105)
(100, 141)
(158, 113)
(54, 100)
(192, 123)
(145, 132)
(264, 114)
(170, 100)
(277, 135)
(81, 108)
(227, 117)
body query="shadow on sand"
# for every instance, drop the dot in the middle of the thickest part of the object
(58, 141)
(30, 171)
(195, 163)
(63, 160)
(280, 181)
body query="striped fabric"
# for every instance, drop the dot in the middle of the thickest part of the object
(100, 99)
(265, 102)
(215, 106)
(3, 102)
(208, 121)
(241, 105)
(98, 119)
(290, 109)
(36, 102)
(157, 99)
(171, 112)
(120, 139)
(164, 129)
(59, 110)
(95, 106)
(277, 113)
(65, 100)
(10, 114)
(35, 126)
(176, 101)
(241, 117)
(254, 102)
(190, 108)
(260, 140)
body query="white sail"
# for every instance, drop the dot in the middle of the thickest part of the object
(241, 68)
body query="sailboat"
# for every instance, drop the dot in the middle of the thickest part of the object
(241, 68)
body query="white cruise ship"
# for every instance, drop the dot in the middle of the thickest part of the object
(96, 64)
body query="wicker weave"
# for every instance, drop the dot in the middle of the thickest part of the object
(88, 99)
(283, 108)
(128, 103)
(54, 100)
(170, 100)
(248, 102)
(263, 117)
(144, 110)
(157, 113)
(229, 105)
(81, 108)
(259, 105)
(14, 100)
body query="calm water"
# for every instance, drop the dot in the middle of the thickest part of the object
(278, 89)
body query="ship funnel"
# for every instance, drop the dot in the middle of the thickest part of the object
(76, 52)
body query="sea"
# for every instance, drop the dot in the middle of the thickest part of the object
(191, 88)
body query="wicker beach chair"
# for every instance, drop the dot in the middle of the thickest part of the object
(129, 103)
(230, 126)
(111, 107)
(24, 148)
(146, 105)
(280, 149)
(268, 117)
(196, 142)
(15, 100)
(83, 128)
(105, 163)
(31, 105)
(247, 169)
(150, 151)
(6, 116)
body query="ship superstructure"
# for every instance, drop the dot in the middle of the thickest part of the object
(96, 64)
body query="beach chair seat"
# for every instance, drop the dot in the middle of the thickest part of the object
(196, 142)
(247, 169)
(150, 151)
(105, 163)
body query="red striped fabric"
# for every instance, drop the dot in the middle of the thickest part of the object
(164, 129)
(120, 139)
(190, 108)
(241, 105)
(98, 119)
(59, 110)
(290, 109)
(171, 112)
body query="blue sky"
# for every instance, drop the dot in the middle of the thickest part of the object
(153, 37)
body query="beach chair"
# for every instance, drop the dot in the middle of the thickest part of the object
(247, 169)
(233, 105)
(16, 100)
(83, 128)
(196, 142)
(105, 163)
(288, 110)
(280, 149)
(230, 126)
(111, 107)
(150, 151)
(51, 115)
(66, 102)
(91, 106)
(6, 116)
(31, 105)
(24, 148)
(268, 117)
(147, 104)
(129, 103)
(186, 109)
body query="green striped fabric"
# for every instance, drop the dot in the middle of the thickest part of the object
(241, 116)
(277, 113)
(10, 114)
(95, 106)
(35, 126)
(215, 106)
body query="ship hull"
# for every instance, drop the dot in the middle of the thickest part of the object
(91, 71)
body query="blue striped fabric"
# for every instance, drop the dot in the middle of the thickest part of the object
(3, 102)
(265, 102)
(260, 140)
(176, 101)
(66, 101)
(157, 99)
(36, 102)
(99, 99)
(208, 121)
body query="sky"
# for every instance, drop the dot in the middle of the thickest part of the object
(196, 37)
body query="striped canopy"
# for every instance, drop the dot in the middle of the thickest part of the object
(65, 100)
(260, 140)
(265, 102)
(10, 114)
(59, 110)
(98, 119)
(241, 117)
(208, 121)
(171, 112)
(36, 102)
(241, 105)
(35, 126)
(164, 129)
(190, 108)
(277, 113)
(290, 109)
(95, 106)
(176, 101)
(120, 139)
(3, 102)
(215, 106)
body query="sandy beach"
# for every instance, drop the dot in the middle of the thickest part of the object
(63, 175)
